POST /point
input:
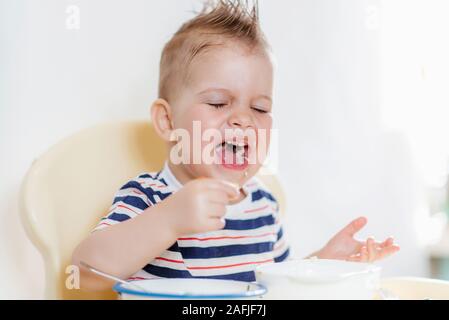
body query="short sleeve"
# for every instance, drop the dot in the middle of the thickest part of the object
(130, 201)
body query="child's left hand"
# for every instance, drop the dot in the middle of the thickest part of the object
(343, 246)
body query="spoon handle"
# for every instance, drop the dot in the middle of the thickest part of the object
(111, 277)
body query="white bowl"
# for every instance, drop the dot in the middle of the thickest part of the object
(191, 289)
(319, 279)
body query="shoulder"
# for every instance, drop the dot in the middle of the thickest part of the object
(149, 185)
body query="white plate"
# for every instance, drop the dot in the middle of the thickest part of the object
(191, 289)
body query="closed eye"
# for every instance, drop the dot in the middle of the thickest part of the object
(217, 105)
(259, 110)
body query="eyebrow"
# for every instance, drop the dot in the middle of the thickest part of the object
(263, 96)
(214, 89)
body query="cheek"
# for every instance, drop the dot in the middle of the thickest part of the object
(197, 120)
(209, 124)
(204, 116)
(196, 117)
(264, 129)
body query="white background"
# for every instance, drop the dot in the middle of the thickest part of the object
(337, 158)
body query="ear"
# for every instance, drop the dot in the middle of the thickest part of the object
(161, 117)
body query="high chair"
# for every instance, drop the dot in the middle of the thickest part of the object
(70, 187)
(414, 288)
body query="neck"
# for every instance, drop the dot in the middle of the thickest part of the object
(184, 177)
(179, 173)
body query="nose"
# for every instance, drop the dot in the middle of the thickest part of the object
(241, 118)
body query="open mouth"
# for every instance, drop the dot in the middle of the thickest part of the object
(233, 154)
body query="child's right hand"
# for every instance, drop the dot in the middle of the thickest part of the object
(200, 206)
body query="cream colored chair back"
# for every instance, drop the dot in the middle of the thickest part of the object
(414, 288)
(69, 188)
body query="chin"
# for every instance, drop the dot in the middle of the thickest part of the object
(233, 175)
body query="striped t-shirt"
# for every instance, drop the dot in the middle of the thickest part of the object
(252, 235)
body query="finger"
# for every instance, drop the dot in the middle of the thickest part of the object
(388, 242)
(230, 189)
(217, 224)
(216, 210)
(371, 244)
(354, 227)
(231, 184)
(388, 251)
(364, 254)
(218, 197)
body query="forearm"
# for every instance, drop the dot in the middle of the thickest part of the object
(126, 247)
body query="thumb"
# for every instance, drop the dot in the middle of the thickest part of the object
(354, 227)
(231, 189)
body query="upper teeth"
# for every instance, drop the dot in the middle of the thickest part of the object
(238, 144)
(234, 147)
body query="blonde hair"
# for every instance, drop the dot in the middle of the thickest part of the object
(219, 21)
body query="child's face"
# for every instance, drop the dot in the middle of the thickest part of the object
(228, 88)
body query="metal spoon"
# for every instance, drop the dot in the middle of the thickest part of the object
(111, 277)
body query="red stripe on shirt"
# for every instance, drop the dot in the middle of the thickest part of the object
(229, 237)
(169, 260)
(138, 192)
(255, 210)
(143, 182)
(125, 207)
(157, 185)
(230, 265)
